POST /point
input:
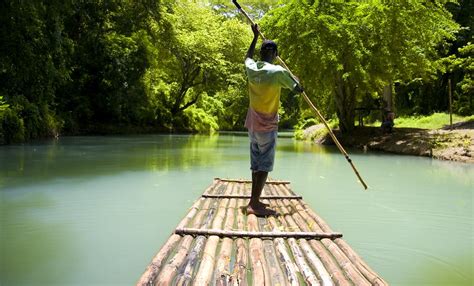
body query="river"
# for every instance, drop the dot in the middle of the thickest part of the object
(94, 210)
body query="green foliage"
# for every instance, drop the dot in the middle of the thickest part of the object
(12, 127)
(433, 121)
(347, 50)
(200, 120)
(198, 60)
(95, 66)
(3, 106)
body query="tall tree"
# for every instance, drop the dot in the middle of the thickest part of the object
(351, 49)
(197, 59)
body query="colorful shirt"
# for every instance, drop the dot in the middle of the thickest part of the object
(265, 83)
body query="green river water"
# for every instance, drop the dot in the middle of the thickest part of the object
(95, 210)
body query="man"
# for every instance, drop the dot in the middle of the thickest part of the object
(265, 83)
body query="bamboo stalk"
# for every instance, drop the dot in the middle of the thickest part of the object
(260, 272)
(205, 271)
(239, 273)
(256, 234)
(313, 259)
(154, 267)
(286, 261)
(250, 181)
(186, 270)
(166, 276)
(330, 264)
(222, 274)
(317, 264)
(369, 274)
(349, 269)
(248, 197)
(298, 256)
(276, 273)
(360, 264)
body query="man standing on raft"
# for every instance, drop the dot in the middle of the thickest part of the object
(265, 83)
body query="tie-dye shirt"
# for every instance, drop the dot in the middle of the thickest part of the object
(265, 82)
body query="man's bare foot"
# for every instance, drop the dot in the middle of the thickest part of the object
(260, 211)
(262, 205)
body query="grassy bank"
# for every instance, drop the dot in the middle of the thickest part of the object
(434, 121)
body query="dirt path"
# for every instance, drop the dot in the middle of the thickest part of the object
(454, 145)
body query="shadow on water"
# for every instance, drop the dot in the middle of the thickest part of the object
(39, 245)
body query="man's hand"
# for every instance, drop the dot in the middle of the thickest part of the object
(255, 30)
(298, 88)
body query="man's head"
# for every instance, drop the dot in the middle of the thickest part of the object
(268, 51)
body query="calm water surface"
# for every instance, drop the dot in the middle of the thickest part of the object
(94, 210)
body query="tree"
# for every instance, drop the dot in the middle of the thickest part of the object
(197, 58)
(33, 56)
(351, 49)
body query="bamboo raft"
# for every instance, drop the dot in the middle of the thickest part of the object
(216, 243)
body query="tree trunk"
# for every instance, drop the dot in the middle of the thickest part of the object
(345, 101)
(388, 96)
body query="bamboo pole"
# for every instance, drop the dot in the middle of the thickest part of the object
(222, 274)
(369, 274)
(256, 234)
(273, 263)
(248, 197)
(260, 272)
(185, 273)
(329, 262)
(314, 260)
(205, 271)
(250, 181)
(239, 273)
(169, 271)
(154, 267)
(284, 256)
(308, 274)
(344, 262)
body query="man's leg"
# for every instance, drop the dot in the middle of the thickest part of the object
(258, 182)
(262, 156)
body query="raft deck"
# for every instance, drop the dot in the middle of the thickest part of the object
(216, 243)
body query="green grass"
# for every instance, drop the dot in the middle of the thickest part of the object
(434, 121)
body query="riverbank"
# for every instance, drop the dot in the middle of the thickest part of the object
(444, 144)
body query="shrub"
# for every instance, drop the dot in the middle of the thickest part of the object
(12, 126)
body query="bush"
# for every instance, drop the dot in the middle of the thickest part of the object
(12, 127)
(200, 121)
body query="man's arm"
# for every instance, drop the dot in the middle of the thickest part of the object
(251, 49)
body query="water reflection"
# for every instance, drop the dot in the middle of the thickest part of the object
(85, 202)
(95, 156)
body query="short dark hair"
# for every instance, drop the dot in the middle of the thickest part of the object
(269, 45)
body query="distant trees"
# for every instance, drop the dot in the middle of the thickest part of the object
(100, 66)
(351, 50)
(81, 67)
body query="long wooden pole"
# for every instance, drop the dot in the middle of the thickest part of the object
(308, 101)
